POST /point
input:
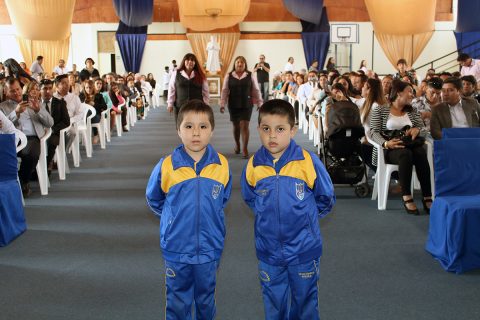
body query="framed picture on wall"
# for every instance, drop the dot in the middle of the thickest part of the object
(214, 87)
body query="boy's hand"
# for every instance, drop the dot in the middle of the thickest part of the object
(222, 109)
(170, 109)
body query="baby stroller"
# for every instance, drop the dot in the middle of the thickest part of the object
(341, 147)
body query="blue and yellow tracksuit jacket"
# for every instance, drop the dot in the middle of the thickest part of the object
(287, 197)
(189, 198)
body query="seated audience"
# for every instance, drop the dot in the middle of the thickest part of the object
(32, 119)
(453, 112)
(118, 106)
(59, 113)
(425, 103)
(400, 115)
(95, 99)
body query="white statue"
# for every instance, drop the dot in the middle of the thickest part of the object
(213, 60)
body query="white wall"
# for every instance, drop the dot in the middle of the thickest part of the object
(158, 54)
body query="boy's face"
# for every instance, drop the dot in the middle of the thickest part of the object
(275, 133)
(195, 132)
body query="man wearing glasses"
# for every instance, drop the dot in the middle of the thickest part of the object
(262, 69)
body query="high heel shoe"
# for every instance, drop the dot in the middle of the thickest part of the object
(410, 211)
(425, 207)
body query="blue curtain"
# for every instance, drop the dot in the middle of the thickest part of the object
(466, 38)
(307, 10)
(134, 13)
(467, 16)
(131, 41)
(316, 39)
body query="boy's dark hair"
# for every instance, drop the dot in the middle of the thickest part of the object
(463, 57)
(401, 61)
(60, 78)
(277, 107)
(39, 58)
(197, 106)
(457, 83)
(470, 79)
(435, 83)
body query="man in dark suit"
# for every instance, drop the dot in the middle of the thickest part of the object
(453, 112)
(59, 112)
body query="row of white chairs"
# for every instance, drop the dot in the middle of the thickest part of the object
(384, 170)
(83, 134)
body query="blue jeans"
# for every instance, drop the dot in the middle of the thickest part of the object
(189, 284)
(264, 90)
(290, 292)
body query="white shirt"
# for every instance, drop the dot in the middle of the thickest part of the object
(473, 69)
(397, 123)
(59, 71)
(304, 92)
(6, 125)
(289, 67)
(459, 120)
(74, 106)
(26, 124)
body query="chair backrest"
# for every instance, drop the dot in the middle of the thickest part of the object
(87, 108)
(455, 133)
(457, 167)
(8, 157)
(22, 138)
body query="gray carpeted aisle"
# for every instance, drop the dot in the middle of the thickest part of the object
(91, 250)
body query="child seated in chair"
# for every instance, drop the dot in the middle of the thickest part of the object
(140, 108)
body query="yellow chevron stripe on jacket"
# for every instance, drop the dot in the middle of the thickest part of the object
(299, 169)
(214, 171)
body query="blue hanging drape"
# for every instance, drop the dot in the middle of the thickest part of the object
(131, 41)
(467, 16)
(134, 13)
(306, 10)
(316, 39)
(465, 39)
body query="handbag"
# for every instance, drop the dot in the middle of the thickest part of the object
(408, 142)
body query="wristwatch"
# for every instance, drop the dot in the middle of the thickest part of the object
(385, 144)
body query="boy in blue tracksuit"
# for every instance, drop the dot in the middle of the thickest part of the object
(188, 190)
(287, 187)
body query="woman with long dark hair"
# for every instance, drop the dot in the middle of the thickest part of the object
(372, 93)
(14, 69)
(395, 116)
(118, 106)
(240, 92)
(188, 82)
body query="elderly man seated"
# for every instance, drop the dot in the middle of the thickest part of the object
(453, 112)
(32, 120)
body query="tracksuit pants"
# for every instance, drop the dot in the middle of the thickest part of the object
(290, 292)
(187, 285)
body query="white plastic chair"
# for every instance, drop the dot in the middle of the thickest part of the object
(107, 125)
(61, 154)
(85, 128)
(118, 120)
(22, 138)
(102, 129)
(42, 165)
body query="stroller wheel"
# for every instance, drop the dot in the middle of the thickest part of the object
(362, 190)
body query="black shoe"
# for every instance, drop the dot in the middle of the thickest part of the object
(26, 190)
(125, 129)
(425, 207)
(410, 211)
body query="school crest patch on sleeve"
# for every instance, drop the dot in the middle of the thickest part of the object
(300, 190)
(216, 190)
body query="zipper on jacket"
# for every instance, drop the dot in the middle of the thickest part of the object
(277, 208)
(197, 213)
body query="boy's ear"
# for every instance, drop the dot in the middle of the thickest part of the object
(293, 131)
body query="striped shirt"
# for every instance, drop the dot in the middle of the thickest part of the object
(378, 124)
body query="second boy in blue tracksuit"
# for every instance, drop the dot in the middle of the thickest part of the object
(288, 188)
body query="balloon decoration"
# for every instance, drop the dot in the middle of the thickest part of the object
(134, 13)
(316, 39)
